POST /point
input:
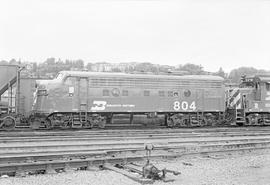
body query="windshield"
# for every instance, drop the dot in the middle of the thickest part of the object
(59, 76)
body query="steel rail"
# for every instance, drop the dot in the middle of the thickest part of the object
(123, 141)
(143, 130)
(119, 133)
(48, 166)
(81, 139)
(31, 153)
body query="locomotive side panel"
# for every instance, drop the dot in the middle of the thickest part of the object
(156, 96)
(142, 100)
(214, 99)
(261, 102)
(83, 98)
(57, 97)
(254, 100)
(143, 95)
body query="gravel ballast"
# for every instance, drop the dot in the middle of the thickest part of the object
(238, 169)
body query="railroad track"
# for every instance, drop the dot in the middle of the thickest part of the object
(140, 130)
(38, 151)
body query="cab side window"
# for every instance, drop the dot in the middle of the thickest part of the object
(70, 81)
(267, 86)
(257, 92)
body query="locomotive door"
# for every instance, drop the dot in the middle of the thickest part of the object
(257, 92)
(199, 100)
(83, 94)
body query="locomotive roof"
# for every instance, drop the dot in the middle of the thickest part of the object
(105, 74)
(260, 78)
(263, 78)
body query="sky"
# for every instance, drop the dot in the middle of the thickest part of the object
(211, 33)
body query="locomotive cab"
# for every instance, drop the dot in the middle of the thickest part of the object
(44, 99)
(257, 99)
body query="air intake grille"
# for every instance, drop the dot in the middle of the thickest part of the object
(152, 83)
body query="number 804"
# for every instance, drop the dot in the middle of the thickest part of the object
(184, 105)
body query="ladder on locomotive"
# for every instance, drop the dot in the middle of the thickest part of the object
(236, 102)
(83, 102)
(83, 112)
(240, 118)
(79, 118)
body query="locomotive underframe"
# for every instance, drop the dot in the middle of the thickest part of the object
(257, 118)
(198, 119)
(100, 119)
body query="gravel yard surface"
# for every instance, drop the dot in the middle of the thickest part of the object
(238, 169)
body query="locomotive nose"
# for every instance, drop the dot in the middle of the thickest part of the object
(41, 88)
(41, 84)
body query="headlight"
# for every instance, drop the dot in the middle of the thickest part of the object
(42, 92)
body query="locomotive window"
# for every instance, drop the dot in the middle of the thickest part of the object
(268, 86)
(257, 85)
(175, 94)
(70, 81)
(170, 93)
(161, 93)
(106, 92)
(146, 93)
(42, 92)
(125, 93)
(187, 93)
(115, 92)
(59, 76)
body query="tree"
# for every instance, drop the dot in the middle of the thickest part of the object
(34, 69)
(79, 64)
(3, 62)
(50, 61)
(13, 61)
(146, 67)
(89, 66)
(235, 74)
(221, 73)
(191, 68)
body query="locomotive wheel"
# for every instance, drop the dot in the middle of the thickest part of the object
(170, 122)
(48, 124)
(249, 121)
(91, 125)
(101, 124)
(203, 122)
(252, 120)
(35, 124)
(109, 119)
(183, 123)
(8, 123)
(66, 124)
(88, 124)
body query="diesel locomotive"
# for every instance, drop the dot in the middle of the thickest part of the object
(251, 100)
(86, 99)
(77, 99)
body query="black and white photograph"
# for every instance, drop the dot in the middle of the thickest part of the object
(134, 92)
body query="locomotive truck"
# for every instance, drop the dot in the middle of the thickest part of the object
(76, 99)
